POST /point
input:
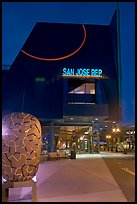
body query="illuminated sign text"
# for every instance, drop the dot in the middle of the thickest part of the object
(82, 72)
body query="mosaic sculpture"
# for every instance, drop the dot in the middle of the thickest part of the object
(21, 146)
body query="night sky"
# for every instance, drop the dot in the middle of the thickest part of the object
(19, 18)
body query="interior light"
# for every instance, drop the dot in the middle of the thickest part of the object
(81, 138)
(80, 92)
(86, 133)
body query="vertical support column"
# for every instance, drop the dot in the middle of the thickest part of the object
(92, 138)
(66, 143)
(76, 144)
(89, 143)
(52, 147)
(99, 142)
(98, 137)
(89, 139)
(76, 140)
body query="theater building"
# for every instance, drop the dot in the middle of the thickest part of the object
(69, 77)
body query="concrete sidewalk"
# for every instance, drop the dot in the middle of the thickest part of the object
(86, 179)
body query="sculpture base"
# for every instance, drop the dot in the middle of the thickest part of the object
(7, 185)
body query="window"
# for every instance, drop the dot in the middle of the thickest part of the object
(87, 88)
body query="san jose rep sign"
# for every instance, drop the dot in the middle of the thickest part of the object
(82, 72)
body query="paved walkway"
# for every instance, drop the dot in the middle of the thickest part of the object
(86, 179)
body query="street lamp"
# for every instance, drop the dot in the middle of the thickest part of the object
(116, 130)
(116, 139)
(108, 138)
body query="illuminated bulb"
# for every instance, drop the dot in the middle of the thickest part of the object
(81, 138)
(114, 130)
(118, 130)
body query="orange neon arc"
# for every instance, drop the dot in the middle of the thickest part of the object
(59, 58)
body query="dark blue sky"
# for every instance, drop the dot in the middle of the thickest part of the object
(19, 18)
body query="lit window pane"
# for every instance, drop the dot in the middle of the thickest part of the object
(87, 88)
(90, 88)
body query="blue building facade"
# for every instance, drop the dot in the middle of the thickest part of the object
(64, 71)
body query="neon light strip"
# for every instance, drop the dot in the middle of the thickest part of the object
(59, 58)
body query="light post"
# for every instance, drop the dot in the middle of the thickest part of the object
(108, 138)
(116, 139)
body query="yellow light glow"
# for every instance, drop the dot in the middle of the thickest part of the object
(114, 130)
(86, 133)
(108, 136)
(118, 130)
